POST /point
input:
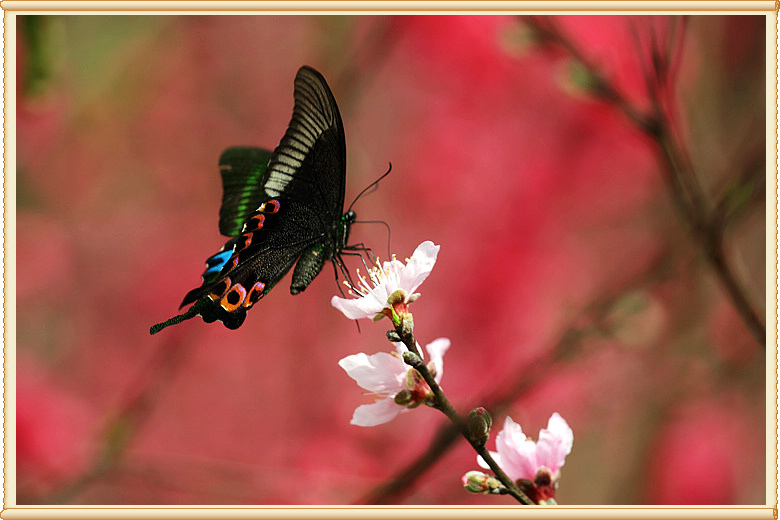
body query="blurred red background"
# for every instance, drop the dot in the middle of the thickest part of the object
(567, 280)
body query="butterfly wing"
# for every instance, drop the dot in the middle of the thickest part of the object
(309, 165)
(303, 188)
(275, 236)
(243, 170)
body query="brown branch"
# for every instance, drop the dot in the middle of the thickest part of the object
(442, 403)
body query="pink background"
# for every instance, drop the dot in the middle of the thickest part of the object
(565, 270)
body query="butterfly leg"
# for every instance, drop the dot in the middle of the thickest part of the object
(363, 249)
(338, 265)
(362, 259)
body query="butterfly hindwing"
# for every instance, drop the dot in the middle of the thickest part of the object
(242, 169)
(279, 208)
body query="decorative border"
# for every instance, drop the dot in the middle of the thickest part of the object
(14, 8)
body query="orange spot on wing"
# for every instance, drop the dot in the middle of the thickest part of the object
(220, 289)
(255, 293)
(270, 207)
(233, 299)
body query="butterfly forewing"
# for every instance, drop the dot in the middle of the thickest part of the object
(310, 162)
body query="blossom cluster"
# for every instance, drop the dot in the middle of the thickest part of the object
(397, 388)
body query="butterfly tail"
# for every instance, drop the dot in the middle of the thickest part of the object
(209, 311)
(191, 313)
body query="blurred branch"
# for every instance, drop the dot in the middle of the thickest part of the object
(748, 188)
(366, 58)
(139, 400)
(548, 33)
(706, 222)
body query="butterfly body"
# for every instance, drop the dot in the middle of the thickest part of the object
(280, 208)
(311, 262)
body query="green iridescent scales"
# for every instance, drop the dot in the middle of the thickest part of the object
(242, 169)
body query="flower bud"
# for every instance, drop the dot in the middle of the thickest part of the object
(478, 482)
(404, 397)
(413, 378)
(479, 422)
(411, 359)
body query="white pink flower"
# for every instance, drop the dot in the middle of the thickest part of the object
(385, 375)
(393, 278)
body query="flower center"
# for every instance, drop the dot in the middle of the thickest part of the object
(377, 275)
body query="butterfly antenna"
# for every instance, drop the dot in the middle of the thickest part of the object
(371, 187)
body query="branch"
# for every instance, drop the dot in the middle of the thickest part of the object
(679, 173)
(520, 380)
(443, 404)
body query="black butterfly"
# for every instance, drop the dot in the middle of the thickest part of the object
(280, 208)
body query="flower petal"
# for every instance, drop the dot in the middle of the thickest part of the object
(381, 373)
(376, 413)
(419, 266)
(355, 309)
(554, 443)
(517, 452)
(436, 350)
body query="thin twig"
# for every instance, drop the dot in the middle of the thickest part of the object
(443, 404)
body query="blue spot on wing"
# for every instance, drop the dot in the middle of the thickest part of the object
(215, 263)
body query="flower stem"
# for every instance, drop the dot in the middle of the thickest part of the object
(443, 404)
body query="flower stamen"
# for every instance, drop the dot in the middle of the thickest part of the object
(370, 295)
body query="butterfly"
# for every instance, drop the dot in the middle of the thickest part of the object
(280, 208)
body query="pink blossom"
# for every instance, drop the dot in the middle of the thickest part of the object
(534, 466)
(520, 457)
(393, 277)
(384, 375)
